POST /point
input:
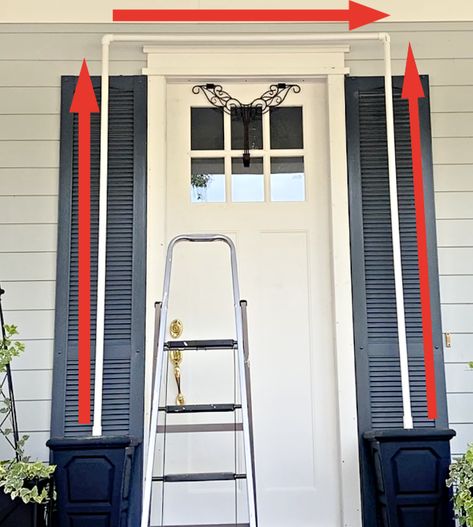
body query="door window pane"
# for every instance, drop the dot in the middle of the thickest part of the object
(255, 130)
(207, 129)
(247, 183)
(286, 127)
(207, 180)
(287, 179)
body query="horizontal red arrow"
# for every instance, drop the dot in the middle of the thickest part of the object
(357, 15)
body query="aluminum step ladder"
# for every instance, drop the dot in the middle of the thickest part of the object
(163, 348)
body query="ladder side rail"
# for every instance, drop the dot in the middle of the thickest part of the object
(157, 324)
(246, 350)
(244, 399)
(148, 480)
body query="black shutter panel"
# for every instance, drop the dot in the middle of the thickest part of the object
(376, 345)
(126, 269)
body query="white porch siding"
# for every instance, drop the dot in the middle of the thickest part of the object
(32, 60)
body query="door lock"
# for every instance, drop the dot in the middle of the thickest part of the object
(175, 356)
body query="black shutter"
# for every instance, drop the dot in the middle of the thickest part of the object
(376, 346)
(126, 267)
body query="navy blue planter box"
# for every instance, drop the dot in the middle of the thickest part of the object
(93, 479)
(410, 468)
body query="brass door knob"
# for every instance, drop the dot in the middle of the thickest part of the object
(175, 328)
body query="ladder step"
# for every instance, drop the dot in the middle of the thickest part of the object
(201, 344)
(203, 427)
(202, 476)
(199, 408)
(212, 525)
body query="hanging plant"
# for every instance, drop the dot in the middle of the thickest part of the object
(200, 180)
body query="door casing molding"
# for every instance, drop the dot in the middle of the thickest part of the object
(256, 62)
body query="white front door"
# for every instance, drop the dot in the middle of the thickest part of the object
(277, 212)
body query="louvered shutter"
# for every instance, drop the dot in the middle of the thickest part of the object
(126, 247)
(376, 346)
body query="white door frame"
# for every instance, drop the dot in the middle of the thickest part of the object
(258, 61)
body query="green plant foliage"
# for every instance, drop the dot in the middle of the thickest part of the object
(461, 479)
(26, 480)
(20, 477)
(9, 348)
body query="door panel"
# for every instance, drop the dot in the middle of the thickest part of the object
(285, 274)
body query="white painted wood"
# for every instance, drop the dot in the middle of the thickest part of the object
(426, 44)
(284, 274)
(461, 349)
(456, 289)
(455, 233)
(455, 260)
(454, 205)
(28, 295)
(457, 318)
(27, 266)
(459, 378)
(452, 124)
(32, 385)
(460, 408)
(462, 440)
(442, 72)
(453, 150)
(90, 12)
(452, 98)
(52, 46)
(36, 446)
(29, 181)
(48, 74)
(28, 209)
(29, 154)
(32, 325)
(29, 100)
(28, 238)
(38, 355)
(218, 64)
(343, 308)
(29, 127)
(33, 415)
(453, 178)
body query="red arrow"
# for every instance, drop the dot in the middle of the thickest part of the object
(357, 15)
(413, 91)
(84, 103)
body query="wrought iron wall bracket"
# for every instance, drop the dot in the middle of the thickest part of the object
(247, 112)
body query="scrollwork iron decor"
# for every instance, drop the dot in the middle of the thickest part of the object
(247, 112)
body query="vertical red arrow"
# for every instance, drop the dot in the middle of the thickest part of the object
(84, 103)
(413, 91)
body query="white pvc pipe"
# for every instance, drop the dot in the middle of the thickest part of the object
(102, 244)
(245, 38)
(396, 238)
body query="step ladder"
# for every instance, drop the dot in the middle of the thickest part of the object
(162, 348)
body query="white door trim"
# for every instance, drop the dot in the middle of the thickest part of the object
(254, 63)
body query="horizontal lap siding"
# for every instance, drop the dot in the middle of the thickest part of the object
(32, 60)
(31, 67)
(447, 57)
